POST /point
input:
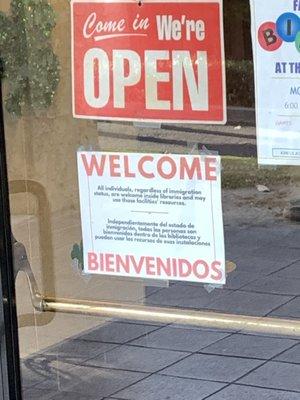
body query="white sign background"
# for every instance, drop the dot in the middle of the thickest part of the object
(278, 123)
(109, 203)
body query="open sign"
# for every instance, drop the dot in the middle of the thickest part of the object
(155, 62)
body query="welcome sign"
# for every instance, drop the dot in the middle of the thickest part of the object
(152, 216)
(159, 61)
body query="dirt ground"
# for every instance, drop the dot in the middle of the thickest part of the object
(248, 206)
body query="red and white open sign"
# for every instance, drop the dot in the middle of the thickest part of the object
(159, 61)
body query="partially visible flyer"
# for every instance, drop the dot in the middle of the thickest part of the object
(276, 51)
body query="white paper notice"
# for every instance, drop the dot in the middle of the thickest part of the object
(276, 46)
(152, 216)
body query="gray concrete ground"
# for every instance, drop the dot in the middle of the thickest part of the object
(235, 139)
(135, 361)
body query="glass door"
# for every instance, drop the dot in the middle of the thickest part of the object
(10, 384)
(154, 227)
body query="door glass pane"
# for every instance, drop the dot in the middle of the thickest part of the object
(81, 356)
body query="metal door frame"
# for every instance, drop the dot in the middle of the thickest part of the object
(10, 381)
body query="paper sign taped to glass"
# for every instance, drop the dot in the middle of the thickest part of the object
(152, 216)
(276, 47)
(159, 61)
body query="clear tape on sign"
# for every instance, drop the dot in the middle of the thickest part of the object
(204, 151)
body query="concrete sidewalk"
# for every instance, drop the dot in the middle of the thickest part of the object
(131, 361)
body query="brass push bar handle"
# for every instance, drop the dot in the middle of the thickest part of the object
(206, 319)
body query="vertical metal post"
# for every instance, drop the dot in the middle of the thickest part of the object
(10, 382)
